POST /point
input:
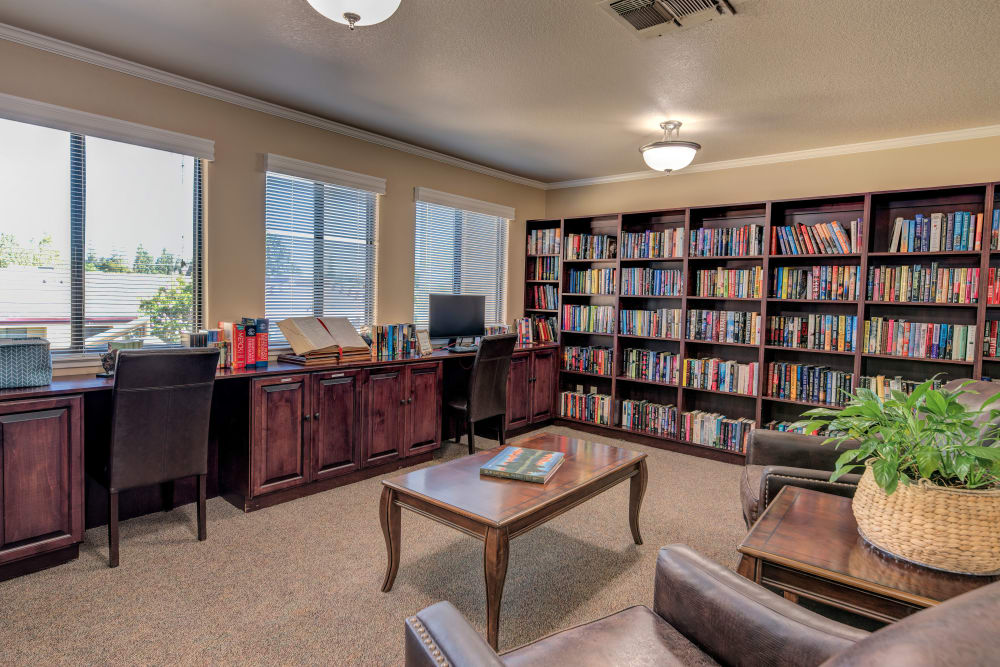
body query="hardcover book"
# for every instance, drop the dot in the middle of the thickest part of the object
(521, 463)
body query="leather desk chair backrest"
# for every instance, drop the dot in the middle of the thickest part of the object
(160, 413)
(488, 381)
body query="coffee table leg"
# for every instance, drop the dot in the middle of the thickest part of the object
(495, 566)
(389, 517)
(637, 489)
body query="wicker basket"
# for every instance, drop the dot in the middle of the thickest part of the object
(955, 530)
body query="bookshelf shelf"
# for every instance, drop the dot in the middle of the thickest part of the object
(587, 373)
(809, 350)
(790, 401)
(542, 310)
(872, 215)
(868, 355)
(551, 282)
(551, 254)
(716, 391)
(585, 294)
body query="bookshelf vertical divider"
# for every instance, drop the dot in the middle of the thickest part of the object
(876, 211)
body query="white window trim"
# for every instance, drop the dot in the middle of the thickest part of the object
(56, 117)
(464, 203)
(312, 171)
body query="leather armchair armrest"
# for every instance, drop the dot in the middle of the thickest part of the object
(779, 448)
(736, 621)
(440, 634)
(775, 478)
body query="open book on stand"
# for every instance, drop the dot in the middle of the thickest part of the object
(323, 340)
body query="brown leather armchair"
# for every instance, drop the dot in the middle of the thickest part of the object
(776, 459)
(705, 614)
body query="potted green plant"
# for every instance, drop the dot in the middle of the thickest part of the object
(930, 492)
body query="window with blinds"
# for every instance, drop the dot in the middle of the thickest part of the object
(459, 252)
(320, 251)
(97, 240)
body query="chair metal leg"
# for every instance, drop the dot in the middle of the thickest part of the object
(470, 429)
(501, 435)
(112, 530)
(202, 527)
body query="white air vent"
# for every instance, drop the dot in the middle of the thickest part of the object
(654, 18)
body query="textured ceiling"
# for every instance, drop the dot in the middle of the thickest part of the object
(557, 89)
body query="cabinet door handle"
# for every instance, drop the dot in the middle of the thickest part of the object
(402, 401)
(409, 400)
(316, 416)
(307, 417)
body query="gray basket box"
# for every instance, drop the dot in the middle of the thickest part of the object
(24, 362)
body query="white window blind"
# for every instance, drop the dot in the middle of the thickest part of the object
(99, 240)
(321, 251)
(459, 252)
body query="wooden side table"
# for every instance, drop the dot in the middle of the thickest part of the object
(806, 544)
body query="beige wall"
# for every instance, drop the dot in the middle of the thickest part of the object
(973, 161)
(234, 234)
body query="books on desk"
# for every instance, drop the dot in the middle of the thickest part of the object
(521, 463)
(323, 340)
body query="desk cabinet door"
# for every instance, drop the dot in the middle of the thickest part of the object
(41, 476)
(279, 439)
(423, 403)
(385, 414)
(544, 371)
(335, 423)
(518, 391)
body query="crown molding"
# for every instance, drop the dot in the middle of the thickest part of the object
(83, 54)
(792, 156)
(463, 203)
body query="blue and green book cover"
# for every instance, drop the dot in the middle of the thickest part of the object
(521, 463)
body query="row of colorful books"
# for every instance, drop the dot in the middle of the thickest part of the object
(883, 385)
(991, 342)
(825, 238)
(832, 333)
(652, 282)
(993, 285)
(653, 245)
(543, 268)
(649, 417)
(817, 283)
(590, 246)
(805, 382)
(535, 329)
(716, 430)
(543, 296)
(924, 283)
(590, 407)
(720, 375)
(723, 326)
(732, 283)
(957, 231)
(393, 341)
(792, 427)
(928, 340)
(727, 241)
(592, 281)
(660, 323)
(588, 359)
(588, 319)
(544, 241)
(242, 344)
(995, 230)
(650, 365)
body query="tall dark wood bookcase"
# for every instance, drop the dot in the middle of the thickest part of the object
(876, 210)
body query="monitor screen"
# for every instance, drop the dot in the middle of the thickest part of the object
(457, 315)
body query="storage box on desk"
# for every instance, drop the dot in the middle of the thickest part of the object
(24, 362)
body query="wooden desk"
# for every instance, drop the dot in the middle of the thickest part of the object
(498, 510)
(276, 433)
(806, 543)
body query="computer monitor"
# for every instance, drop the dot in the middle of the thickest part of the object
(457, 315)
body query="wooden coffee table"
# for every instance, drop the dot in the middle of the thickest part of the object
(806, 543)
(497, 510)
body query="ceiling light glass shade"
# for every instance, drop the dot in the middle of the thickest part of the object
(669, 155)
(363, 12)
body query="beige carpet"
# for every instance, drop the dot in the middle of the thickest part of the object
(299, 583)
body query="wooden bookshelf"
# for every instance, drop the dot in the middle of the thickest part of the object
(876, 211)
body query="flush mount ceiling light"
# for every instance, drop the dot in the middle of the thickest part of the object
(356, 12)
(670, 153)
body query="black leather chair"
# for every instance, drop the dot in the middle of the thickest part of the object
(487, 394)
(159, 425)
(705, 614)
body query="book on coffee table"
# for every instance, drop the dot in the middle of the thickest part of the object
(521, 463)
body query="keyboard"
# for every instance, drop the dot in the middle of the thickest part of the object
(463, 348)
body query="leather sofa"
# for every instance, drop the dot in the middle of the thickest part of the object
(776, 459)
(705, 614)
